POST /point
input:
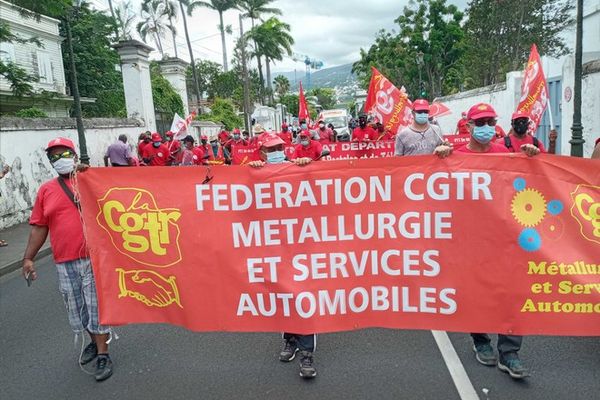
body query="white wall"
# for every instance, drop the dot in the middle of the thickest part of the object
(22, 148)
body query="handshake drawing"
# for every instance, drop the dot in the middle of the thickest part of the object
(149, 287)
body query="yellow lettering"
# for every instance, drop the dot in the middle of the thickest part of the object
(107, 210)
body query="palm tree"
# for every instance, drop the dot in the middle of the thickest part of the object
(189, 45)
(115, 21)
(220, 6)
(282, 85)
(170, 10)
(153, 23)
(273, 41)
(254, 9)
(125, 17)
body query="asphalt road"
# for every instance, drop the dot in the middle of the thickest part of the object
(38, 360)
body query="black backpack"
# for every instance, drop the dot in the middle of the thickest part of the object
(508, 143)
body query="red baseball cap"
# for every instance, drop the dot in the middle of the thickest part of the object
(156, 137)
(236, 130)
(519, 114)
(169, 133)
(481, 110)
(421, 105)
(270, 140)
(203, 137)
(60, 141)
(305, 133)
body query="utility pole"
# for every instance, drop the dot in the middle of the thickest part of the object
(85, 159)
(577, 140)
(245, 78)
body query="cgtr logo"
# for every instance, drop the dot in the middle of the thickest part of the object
(138, 228)
(586, 210)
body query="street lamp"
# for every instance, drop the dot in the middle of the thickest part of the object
(420, 64)
(577, 129)
(85, 159)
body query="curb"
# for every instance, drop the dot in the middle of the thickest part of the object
(16, 264)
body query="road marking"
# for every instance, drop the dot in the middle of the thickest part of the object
(463, 384)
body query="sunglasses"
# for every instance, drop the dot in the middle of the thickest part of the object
(64, 154)
(485, 121)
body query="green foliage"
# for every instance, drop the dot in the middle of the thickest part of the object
(325, 96)
(206, 72)
(96, 62)
(282, 85)
(223, 112)
(32, 112)
(166, 100)
(291, 102)
(19, 78)
(499, 35)
(430, 27)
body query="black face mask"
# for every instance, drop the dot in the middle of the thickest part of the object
(203, 142)
(362, 123)
(520, 126)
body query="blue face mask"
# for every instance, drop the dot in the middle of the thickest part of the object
(303, 126)
(275, 157)
(421, 118)
(236, 137)
(305, 143)
(484, 134)
(156, 144)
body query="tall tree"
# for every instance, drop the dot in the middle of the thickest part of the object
(170, 10)
(429, 27)
(191, 52)
(272, 40)
(125, 17)
(499, 35)
(114, 20)
(153, 23)
(219, 6)
(20, 80)
(282, 85)
(255, 9)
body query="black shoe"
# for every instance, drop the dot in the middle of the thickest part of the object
(307, 369)
(89, 353)
(288, 352)
(514, 367)
(484, 353)
(104, 367)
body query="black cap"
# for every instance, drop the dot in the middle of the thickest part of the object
(188, 138)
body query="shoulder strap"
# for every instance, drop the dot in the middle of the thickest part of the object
(536, 142)
(507, 142)
(68, 192)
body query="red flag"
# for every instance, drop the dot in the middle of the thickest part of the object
(302, 106)
(439, 110)
(387, 103)
(534, 90)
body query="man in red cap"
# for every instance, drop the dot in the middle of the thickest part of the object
(308, 148)
(363, 133)
(236, 140)
(272, 152)
(325, 134)
(156, 154)
(519, 135)
(421, 137)
(482, 119)
(174, 148)
(56, 211)
(223, 137)
(285, 134)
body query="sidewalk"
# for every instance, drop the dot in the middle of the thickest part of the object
(11, 256)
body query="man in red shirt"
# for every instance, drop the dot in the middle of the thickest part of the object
(461, 126)
(285, 134)
(143, 140)
(236, 140)
(482, 119)
(363, 133)
(325, 134)
(191, 155)
(307, 148)
(518, 136)
(223, 137)
(56, 211)
(383, 133)
(156, 154)
(174, 148)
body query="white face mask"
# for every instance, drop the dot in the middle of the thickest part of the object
(64, 166)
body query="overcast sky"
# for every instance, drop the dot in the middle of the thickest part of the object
(332, 31)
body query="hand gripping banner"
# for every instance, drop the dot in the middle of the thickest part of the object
(471, 243)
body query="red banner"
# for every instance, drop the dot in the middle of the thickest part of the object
(387, 103)
(438, 110)
(302, 106)
(471, 243)
(337, 151)
(534, 90)
(458, 140)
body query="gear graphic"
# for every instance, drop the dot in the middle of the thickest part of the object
(528, 207)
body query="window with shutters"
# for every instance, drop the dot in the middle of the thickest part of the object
(44, 67)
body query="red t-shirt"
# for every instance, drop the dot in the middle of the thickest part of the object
(158, 155)
(141, 146)
(223, 137)
(233, 142)
(499, 131)
(463, 129)
(517, 142)
(312, 151)
(325, 135)
(54, 209)
(286, 137)
(363, 135)
(494, 148)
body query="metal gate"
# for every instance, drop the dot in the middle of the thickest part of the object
(555, 100)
